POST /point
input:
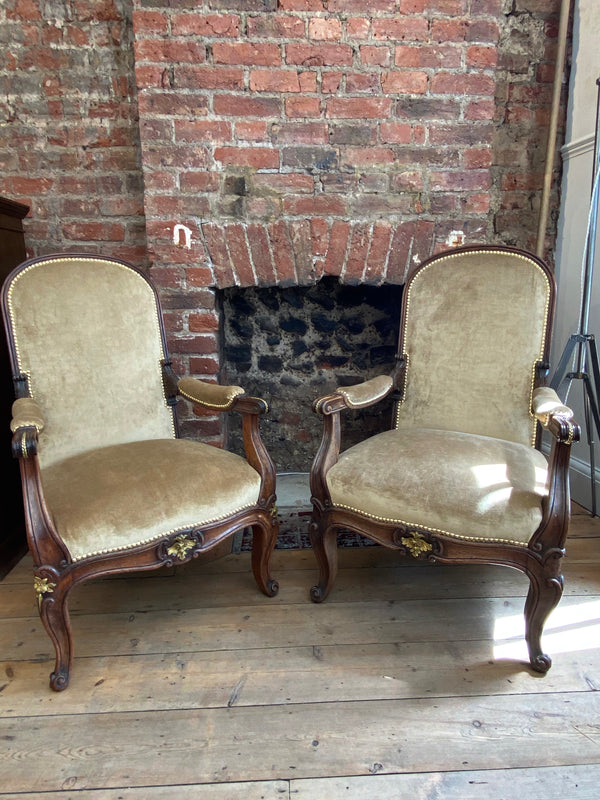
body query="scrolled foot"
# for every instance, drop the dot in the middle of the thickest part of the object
(272, 588)
(316, 594)
(541, 663)
(59, 680)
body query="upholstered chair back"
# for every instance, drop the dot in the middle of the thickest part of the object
(87, 335)
(475, 324)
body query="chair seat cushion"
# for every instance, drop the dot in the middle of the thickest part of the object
(117, 497)
(459, 484)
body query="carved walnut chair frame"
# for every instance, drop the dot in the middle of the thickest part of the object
(539, 557)
(56, 572)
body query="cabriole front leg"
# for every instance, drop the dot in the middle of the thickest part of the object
(323, 538)
(52, 600)
(544, 594)
(264, 538)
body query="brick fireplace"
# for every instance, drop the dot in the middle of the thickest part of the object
(284, 141)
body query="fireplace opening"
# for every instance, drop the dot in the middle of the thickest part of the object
(292, 345)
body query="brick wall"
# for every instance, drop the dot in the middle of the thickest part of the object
(69, 141)
(290, 138)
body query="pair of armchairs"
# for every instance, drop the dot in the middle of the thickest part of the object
(109, 487)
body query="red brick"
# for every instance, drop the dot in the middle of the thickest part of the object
(375, 55)
(408, 181)
(336, 250)
(203, 366)
(207, 77)
(145, 22)
(237, 106)
(362, 156)
(274, 80)
(299, 233)
(278, 183)
(483, 31)
(347, 6)
(323, 28)
(172, 104)
(378, 253)
(301, 133)
(198, 181)
(203, 322)
(460, 180)
(319, 205)
(303, 107)
(150, 77)
(396, 132)
(323, 55)
(254, 130)
(25, 10)
(404, 82)
(216, 245)
(275, 26)
(260, 250)
(93, 231)
(331, 82)
(359, 108)
(357, 252)
(169, 156)
(249, 53)
(209, 131)
(302, 5)
(257, 157)
(206, 25)
(474, 83)
(482, 57)
(283, 255)
(171, 50)
(477, 203)
(448, 30)
(481, 109)
(358, 82)
(240, 254)
(401, 29)
(448, 56)
(358, 27)
(477, 158)
(319, 231)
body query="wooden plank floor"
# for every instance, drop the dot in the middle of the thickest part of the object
(408, 682)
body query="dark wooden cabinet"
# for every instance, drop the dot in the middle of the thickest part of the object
(12, 522)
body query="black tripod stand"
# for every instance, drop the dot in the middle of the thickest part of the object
(580, 351)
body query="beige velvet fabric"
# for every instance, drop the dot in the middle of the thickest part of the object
(462, 484)
(116, 497)
(26, 413)
(475, 327)
(546, 402)
(211, 395)
(87, 334)
(364, 394)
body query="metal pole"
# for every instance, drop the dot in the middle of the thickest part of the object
(555, 109)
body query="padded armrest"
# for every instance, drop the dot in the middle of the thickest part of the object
(26, 414)
(360, 395)
(546, 403)
(553, 415)
(210, 395)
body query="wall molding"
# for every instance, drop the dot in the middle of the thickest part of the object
(578, 147)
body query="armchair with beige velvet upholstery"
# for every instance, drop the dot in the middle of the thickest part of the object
(108, 487)
(458, 478)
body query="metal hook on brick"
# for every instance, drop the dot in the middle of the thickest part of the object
(177, 230)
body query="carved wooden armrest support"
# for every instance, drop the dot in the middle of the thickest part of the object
(553, 415)
(27, 422)
(361, 395)
(209, 395)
